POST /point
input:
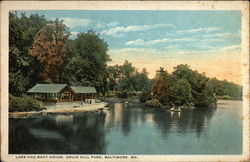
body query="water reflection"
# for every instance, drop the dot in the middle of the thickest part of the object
(78, 133)
(132, 114)
(97, 132)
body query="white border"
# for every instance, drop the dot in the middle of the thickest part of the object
(6, 6)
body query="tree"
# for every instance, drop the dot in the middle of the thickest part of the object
(141, 81)
(24, 69)
(50, 49)
(161, 86)
(202, 94)
(225, 89)
(115, 73)
(181, 93)
(126, 81)
(88, 65)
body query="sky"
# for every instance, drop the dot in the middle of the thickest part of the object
(208, 41)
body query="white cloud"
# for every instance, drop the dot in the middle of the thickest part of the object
(99, 25)
(212, 40)
(75, 22)
(197, 30)
(218, 35)
(112, 24)
(116, 31)
(136, 42)
(235, 47)
(172, 46)
(115, 23)
(157, 41)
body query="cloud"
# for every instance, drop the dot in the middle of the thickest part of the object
(102, 25)
(197, 30)
(218, 35)
(157, 41)
(212, 40)
(136, 42)
(99, 25)
(75, 22)
(114, 23)
(235, 47)
(117, 31)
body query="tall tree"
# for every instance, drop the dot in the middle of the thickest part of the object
(50, 49)
(23, 68)
(141, 81)
(181, 93)
(115, 74)
(88, 66)
(161, 87)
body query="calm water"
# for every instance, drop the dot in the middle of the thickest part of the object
(131, 129)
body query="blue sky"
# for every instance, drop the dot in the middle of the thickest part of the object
(161, 38)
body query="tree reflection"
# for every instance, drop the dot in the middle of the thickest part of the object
(62, 134)
(85, 133)
(189, 120)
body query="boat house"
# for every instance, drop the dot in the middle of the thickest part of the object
(61, 93)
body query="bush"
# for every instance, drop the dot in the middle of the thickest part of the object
(24, 103)
(145, 96)
(122, 94)
(154, 103)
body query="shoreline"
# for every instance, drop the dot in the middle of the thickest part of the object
(86, 108)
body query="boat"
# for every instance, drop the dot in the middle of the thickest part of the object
(174, 109)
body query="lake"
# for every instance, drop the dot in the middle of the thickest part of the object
(131, 129)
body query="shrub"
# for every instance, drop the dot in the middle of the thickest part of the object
(154, 103)
(145, 96)
(24, 103)
(122, 94)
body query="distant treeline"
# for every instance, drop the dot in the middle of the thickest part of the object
(40, 51)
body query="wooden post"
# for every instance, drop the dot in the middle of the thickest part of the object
(81, 97)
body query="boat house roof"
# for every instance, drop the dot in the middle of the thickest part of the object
(56, 88)
(47, 88)
(79, 89)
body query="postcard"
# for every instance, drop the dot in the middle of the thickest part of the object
(124, 81)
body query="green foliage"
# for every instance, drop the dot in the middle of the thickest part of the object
(122, 94)
(24, 69)
(201, 93)
(24, 103)
(126, 79)
(183, 87)
(88, 65)
(181, 93)
(154, 103)
(145, 96)
(224, 89)
(115, 74)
